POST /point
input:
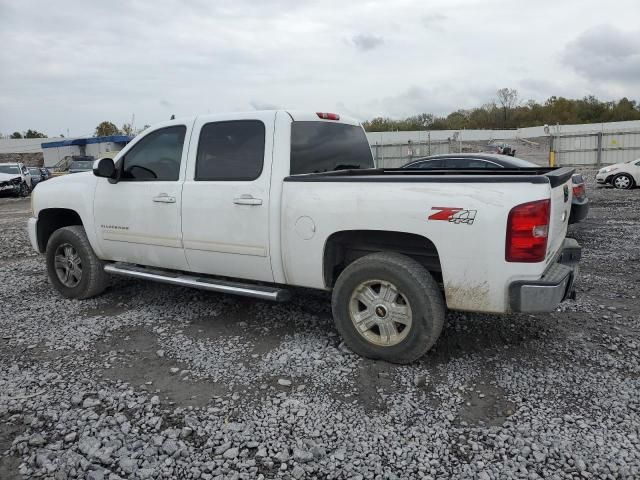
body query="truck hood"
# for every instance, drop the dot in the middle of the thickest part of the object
(84, 179)
(73, 192)
(8, 176)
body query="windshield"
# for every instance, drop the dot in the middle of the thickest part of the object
(82, 165)
(323, 147)
(34, 171)
(9, 169)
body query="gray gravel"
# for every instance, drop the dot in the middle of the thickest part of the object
(152, 381)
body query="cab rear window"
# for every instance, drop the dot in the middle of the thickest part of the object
(322, 147)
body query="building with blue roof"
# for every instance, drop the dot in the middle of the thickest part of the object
(63, 149)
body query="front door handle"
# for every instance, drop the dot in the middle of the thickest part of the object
(164, 198)
(247, 199)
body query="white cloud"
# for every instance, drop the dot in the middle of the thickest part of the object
(605, 53)
(72, 63)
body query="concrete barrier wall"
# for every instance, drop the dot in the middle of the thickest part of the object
(596, 149)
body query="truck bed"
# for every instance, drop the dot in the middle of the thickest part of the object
(553, 175)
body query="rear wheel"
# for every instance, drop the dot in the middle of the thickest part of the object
(387, 306)
(622, 181)
(73, 268)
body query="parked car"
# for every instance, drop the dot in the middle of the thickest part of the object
(259, 203)
(36, 176)
(46, 173)
(78, 166)
(500, 148)
(15, 179)
(620, 175)
(579, 201)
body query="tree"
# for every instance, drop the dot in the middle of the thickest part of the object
(508, 98)
(16, 135)
(105, 129)
(127, 129)
(34, 134)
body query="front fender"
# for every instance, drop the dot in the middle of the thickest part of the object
(70, 192)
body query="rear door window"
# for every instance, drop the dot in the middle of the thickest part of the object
(231, 150)
(428, 164)
(468, 163)
(323, 147)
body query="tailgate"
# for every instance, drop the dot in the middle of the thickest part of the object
(561, 194)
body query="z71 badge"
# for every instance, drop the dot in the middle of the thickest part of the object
(453, 215)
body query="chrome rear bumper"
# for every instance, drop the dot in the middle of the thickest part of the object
(555, 285)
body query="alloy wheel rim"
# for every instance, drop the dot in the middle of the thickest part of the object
(380, 312)
(622, 182)
(68, 265)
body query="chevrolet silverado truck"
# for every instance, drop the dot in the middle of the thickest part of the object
(259, 203)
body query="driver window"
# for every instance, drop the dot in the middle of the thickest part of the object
(156, 157)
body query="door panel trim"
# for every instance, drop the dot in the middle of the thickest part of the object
(207, 246)
(144, 239)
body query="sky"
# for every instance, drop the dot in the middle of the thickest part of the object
(65, 66)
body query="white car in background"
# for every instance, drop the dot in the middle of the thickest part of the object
(620, 175)
(15, 178)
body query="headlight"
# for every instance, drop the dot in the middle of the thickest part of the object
(609, 169)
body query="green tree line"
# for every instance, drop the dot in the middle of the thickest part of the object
(28, 134)
(107, 128)
(507, 112)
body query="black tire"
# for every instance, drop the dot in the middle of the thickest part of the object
(24, 190)
(415, 286)
(622, 181)
(92, 279)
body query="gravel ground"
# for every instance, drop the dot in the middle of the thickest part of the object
(153, 381)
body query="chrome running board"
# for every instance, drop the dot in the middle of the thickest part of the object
(201, 282)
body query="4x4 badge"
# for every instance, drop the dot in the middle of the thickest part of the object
(453, 215)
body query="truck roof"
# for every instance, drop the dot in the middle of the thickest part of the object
(296, 115)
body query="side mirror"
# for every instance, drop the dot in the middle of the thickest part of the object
(104, 167)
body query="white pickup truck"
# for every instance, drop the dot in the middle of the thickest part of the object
(258, 203)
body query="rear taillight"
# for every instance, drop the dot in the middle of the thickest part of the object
(328, 116)
(579, 190)
(527, 232)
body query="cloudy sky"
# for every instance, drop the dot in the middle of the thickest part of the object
(71, 64)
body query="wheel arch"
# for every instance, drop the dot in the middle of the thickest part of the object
(52, 219)
(343, 247)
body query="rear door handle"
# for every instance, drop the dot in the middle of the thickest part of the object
(247, 199)
(164, 198)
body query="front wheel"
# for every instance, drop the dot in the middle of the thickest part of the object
(622, 181)
(387, 306)
(73, 268)
(24, 190)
